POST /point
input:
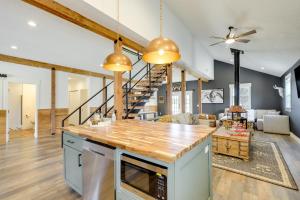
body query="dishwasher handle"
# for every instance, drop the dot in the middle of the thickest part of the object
(99, 153)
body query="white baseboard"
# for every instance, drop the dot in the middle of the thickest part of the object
(295, 137)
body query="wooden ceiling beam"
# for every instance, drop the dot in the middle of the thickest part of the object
(63, 12)
(38, 64)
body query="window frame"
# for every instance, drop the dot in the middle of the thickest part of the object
(178, 100)
(288, 98)
(242, 85)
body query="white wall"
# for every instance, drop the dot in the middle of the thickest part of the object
(95, 85)
(20, 74)
(142, 17)
(203, 60)
(42, 78)
(62, 100)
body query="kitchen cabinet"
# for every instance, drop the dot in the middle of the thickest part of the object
(72, 162)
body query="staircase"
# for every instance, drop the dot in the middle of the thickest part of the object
(137, 91)
(139, 95)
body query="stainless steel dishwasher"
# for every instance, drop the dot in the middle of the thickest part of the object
(98, 171)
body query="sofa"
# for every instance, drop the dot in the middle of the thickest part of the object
(259, 117)
(276, 124)
(188, 118)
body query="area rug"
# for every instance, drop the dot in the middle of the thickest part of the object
(266, 163)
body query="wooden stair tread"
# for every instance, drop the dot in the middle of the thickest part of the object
(135, 107)
(143, 89)
(138, 95)
(147, 84)
(136, 101)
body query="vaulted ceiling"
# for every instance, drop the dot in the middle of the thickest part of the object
(275, 47)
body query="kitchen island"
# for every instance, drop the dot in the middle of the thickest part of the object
(175, 158)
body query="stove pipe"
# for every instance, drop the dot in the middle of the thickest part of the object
(236, 54)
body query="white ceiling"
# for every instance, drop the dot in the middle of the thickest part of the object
(276, 46)
(273, 50)
(54, 40)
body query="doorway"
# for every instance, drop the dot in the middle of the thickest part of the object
(21, 110)
(78, 94)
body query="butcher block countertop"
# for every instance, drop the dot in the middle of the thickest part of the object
(162, 141)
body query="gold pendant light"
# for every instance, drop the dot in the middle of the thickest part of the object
(161, 50)
(117, 61)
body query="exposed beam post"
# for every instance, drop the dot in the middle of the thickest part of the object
(53, 101)
(183, 90)
(118, 95)
(169, 90)
(200, 95)
(104, 95)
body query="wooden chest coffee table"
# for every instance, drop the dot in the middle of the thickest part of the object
(231, 143)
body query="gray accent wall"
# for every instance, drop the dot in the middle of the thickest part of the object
(263, 94)
(295, 112)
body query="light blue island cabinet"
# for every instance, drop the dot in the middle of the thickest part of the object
(72, 148)
(144, 173)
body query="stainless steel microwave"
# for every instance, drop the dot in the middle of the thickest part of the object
(145, 179)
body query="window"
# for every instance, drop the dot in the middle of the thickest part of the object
(288, 94)
(245, 95)
(176, 102)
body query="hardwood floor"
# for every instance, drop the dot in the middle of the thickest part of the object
(231, 186)
(33, 169)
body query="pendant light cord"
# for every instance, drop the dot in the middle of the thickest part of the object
(118, 18)
(161, 17)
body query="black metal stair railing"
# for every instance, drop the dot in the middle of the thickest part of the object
(103, 90)
(132, 82)
(129, 82)
(128, 88)
(141, 97)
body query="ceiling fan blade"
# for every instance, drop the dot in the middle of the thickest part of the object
(216, 43)
(246, 34)
(242, 40)
(216, 37)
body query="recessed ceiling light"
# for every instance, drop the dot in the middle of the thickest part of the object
(31, 23)
(262, 68)
(101, 65)
(14, 47)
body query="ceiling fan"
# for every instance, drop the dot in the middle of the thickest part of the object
(231, 37)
